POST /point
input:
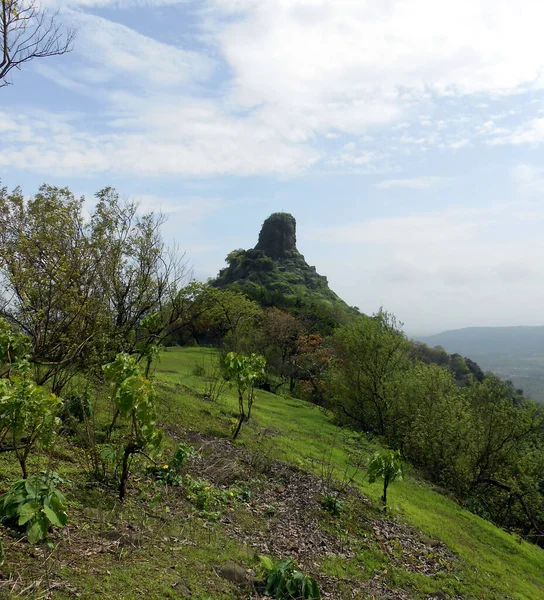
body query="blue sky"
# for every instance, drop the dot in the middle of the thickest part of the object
(405, 136)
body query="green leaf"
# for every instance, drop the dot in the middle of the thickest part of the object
(27, 512)
(266, 562)
(38, 531)
(52, 516)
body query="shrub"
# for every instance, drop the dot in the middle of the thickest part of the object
(284, 581)
(36, 504)
(388, 466)
(332, 504)
(78, 406)
(172, 473)
(28, 413)
(133, 399)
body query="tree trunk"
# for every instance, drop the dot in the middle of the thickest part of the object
(129, 451)
(241, 417)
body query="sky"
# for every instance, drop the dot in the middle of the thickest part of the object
(405, 136)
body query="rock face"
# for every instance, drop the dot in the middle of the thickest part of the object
(278, 237)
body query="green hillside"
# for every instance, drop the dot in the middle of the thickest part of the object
(262, 495)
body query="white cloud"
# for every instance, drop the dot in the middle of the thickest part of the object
(531, 133)
(414, 183)
(299, 72)
(414, 230)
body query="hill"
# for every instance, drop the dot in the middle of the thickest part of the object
(275, 273)
(262, 495)
(515, 353)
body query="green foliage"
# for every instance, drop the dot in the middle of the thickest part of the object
(13, 347)
(36, 504)
(171, 473)
(364, 382)
(133, 399)
(284, 581)
(77, 405)
(386, 465)
(231, 314)
(332, 504)
(28, 413)
(245, 371)
(208, 500)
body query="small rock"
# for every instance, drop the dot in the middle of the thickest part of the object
(182, 589)
(439, 595)
(233, 572)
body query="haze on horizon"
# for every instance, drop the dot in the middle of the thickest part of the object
(406, 137)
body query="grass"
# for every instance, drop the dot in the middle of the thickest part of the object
(493, 563)
(133, 550)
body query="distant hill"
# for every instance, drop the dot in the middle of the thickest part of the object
(515, 353)
(275, 273)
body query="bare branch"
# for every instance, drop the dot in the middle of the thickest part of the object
(28, 32)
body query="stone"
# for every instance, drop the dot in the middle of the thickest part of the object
(233, 572)
(278, 236)
(182, 589)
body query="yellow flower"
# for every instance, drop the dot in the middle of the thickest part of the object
(165, 466)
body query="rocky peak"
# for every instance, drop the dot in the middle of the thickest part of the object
(278, 237)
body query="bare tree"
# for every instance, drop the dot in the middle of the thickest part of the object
(28, 31)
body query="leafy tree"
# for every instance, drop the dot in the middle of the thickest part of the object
(311, 361)
(28, 413)
(364, 386)
(232, 313)
(386, 465)
(84, 290)
(133, 399)
(280, 339)
(28, 31)
(141, 279)
(49, 273)
(245, 371)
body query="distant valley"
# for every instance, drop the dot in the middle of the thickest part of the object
(515, 353)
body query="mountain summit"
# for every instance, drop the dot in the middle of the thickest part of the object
(278, 237)
(275, 273)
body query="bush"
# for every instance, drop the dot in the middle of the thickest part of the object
(78, 406)
(284, 581)
(332, 504)
(36, 504)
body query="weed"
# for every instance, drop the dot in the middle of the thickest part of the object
(285, 581)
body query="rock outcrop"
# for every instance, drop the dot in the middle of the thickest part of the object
(278, 236)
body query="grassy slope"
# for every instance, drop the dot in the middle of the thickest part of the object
(495, 564)
(131, 551)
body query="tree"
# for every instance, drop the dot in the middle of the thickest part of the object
(232, 313)
(28, 31)
(141, 280)
(133, 399)
(84, 290)
(49, 271)
(280, 334)
(245, 371)
(311, 360)
(388, 466)
(370, 353)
